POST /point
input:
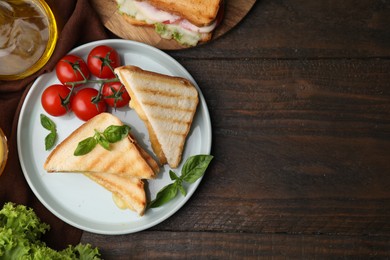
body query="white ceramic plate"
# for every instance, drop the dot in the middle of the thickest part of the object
(73, 197)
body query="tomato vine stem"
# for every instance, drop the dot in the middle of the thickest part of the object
(95, 100)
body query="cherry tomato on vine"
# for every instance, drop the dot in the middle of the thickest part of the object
(82, 104)
(52, 99)
(100, 59)
(115, 94)
(69, 67)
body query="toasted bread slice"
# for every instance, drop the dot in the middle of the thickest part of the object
(128, 192)
(167, 106)
(198, 12)
(124, 158)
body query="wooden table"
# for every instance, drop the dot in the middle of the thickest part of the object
(299, 97)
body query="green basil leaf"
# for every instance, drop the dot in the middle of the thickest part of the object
(85, 146)
(111, 134)
(47, 123)
(173, 175)
(103, 142)
(195, 167)
(182, 190)
(50, 140)
(115, 133)
(164, 195)
(192, 170)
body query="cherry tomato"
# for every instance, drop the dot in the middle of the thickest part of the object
(66, 69)
(99, 58)
(115, 94)
(51, 99)
(82, 104)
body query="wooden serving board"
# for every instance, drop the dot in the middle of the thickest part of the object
(235, 10)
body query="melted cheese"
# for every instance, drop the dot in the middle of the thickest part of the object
(152, 136)
(119, 202)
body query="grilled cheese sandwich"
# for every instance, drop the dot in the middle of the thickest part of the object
(124, 158)
(167, 106)
(120, 170)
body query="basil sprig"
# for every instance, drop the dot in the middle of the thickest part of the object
(48, 124)
(193, 169)
(111, 134)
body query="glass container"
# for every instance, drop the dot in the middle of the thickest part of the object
(28, 35)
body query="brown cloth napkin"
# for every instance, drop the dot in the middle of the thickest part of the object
(78, 24)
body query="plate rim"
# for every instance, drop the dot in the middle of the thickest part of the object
(205, 117)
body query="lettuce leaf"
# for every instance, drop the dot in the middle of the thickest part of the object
(22, 221)
(174, 31)
(20, 234)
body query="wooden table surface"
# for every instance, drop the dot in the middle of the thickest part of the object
(299, 98)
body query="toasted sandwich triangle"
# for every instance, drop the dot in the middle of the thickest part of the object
(127, 192)
(124, 158)
(167, 106)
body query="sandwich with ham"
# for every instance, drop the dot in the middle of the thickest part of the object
(189, 22)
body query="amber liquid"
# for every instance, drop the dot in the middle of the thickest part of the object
(3, 151)
(24, 35)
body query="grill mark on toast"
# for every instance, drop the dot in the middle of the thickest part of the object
(173, 107)
(101, 162)
(90, 162)
(174, 133)
(162, 92)
(184, 126)
(172, 120)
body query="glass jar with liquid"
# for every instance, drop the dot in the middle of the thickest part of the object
(28, 35)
